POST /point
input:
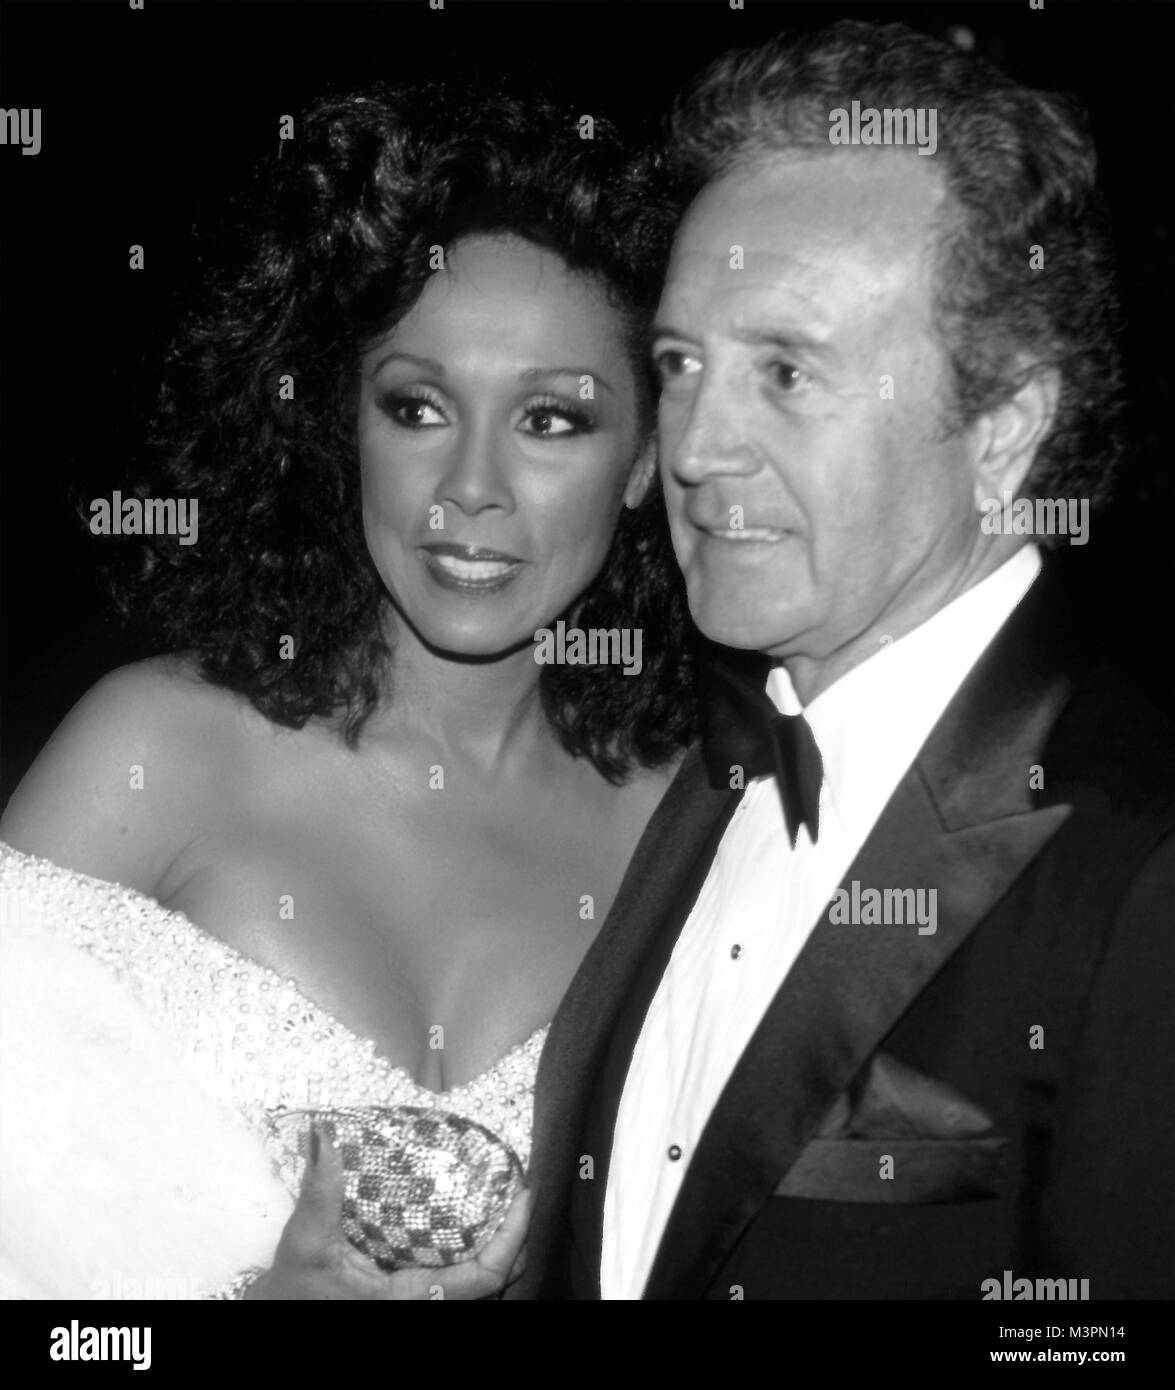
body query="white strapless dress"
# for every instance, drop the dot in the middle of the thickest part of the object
(141, 1063)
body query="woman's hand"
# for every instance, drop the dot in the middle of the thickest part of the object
(315, 1260)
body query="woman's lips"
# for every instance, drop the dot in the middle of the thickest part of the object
(470, 568)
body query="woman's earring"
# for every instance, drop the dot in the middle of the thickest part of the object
(638, 488)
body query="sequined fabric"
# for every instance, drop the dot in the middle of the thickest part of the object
(421, 1187)
(254, 1039)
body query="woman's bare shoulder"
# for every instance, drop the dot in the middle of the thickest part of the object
(118, 788)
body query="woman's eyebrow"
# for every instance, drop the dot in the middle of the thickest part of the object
(427, 364)
(532, 372)
(435, 368)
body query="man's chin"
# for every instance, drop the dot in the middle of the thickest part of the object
(739, 629)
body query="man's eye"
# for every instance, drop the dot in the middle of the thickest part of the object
(414, 412)
(673, 363)
(787, 377)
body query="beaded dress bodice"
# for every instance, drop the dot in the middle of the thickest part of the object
(255, 1041)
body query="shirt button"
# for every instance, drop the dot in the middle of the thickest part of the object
(674, 1152)
(735, 952)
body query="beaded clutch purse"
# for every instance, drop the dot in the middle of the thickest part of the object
(421, 1186)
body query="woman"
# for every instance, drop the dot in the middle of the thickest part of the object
(418, 428)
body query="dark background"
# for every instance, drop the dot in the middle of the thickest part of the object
(149, 119)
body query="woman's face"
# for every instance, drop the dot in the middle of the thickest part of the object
(498, 434)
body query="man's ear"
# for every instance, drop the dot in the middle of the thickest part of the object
(1007, 437)
(643, 468)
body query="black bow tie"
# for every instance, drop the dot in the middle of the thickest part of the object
(741, 728)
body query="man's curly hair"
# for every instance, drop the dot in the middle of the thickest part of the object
(1020, 173)
(332, 248)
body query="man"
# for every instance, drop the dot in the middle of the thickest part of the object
(894, 1020)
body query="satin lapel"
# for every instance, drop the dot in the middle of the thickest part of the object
(962, 821)
(671, 859)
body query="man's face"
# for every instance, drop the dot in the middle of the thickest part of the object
(813, 508)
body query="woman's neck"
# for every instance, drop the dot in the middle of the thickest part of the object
(485, 714)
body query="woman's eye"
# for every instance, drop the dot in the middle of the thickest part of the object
(548, 420)
(414, 412)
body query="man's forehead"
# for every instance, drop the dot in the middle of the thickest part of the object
(807, 234)
(780, 294)
(872, 200)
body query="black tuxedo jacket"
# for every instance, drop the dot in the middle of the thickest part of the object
(1012, 1071)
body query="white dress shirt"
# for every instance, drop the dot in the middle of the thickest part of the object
(764, 897)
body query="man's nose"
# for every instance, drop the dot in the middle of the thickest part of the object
(704, 439)
(477, 476)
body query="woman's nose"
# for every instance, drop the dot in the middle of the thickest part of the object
(477, 476)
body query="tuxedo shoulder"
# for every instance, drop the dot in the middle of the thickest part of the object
(691, 795)
(1112, 738)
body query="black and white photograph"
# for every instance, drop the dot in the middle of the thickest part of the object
(585, 615)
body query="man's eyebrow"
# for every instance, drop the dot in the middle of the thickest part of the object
(756, 336)
(788, 341)
(666, 330)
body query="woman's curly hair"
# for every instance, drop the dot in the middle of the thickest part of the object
(335, 240)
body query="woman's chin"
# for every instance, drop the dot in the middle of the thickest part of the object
(475, 646)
